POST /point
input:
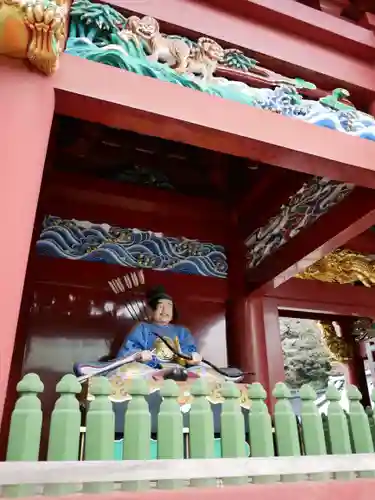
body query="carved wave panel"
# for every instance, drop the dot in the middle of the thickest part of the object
(313, 200)
(83, 240)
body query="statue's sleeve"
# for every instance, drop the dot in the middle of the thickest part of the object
(134, 342)
(187, 342)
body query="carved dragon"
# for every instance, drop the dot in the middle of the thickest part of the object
(201, 59)
(344, 267)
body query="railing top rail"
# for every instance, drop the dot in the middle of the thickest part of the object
(150, 470)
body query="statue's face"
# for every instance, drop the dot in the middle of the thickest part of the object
(163, 313)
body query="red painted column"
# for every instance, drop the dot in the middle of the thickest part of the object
(253, 332)
(267, 355)
(355, 367)
(239, 340)
(27, 108)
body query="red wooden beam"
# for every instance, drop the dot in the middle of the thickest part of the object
(73, 196)
(280, 50)
(328, 298)
(363, 243)
(315, 4)
(152, 107)
(333, 7)
(312, 315)
(95, 275)
(360, 11)
(130, 196)
(347, 219)
(293, 17)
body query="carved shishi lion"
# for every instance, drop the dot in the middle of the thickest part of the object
(204, 58)
(200, 60)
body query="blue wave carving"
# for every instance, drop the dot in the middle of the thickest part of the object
(82, 240)
(285, 101)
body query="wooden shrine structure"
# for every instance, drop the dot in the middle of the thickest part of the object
(222, 147)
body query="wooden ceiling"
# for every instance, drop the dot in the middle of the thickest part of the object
(123, 156)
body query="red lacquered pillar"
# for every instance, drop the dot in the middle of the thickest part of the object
(253, 331)
(253, 340)
(239, 341)
(355, 367)
(264, 328)
(26, 114)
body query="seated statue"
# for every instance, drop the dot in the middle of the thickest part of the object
(157, 349)
(146, 337)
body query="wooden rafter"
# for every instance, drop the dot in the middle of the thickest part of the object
(265, 199)
(72, 196)
(327, 298)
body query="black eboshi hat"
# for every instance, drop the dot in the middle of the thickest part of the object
(155, 295)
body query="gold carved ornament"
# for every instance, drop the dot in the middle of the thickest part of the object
(339, 349)
(34, 29)
(344, 267)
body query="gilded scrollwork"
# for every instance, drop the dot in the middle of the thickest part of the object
(344, 267)
(34, 30)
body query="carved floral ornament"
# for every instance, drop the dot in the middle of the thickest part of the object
(34, 30)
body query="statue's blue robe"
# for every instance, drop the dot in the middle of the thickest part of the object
(142, 338)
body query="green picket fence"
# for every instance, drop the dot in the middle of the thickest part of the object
(281, 434)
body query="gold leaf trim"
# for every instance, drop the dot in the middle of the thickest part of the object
(344, 267)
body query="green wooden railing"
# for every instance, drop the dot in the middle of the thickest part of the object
(281, 434)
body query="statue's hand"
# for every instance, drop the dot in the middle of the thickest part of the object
(145, 356)
(196, 358)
